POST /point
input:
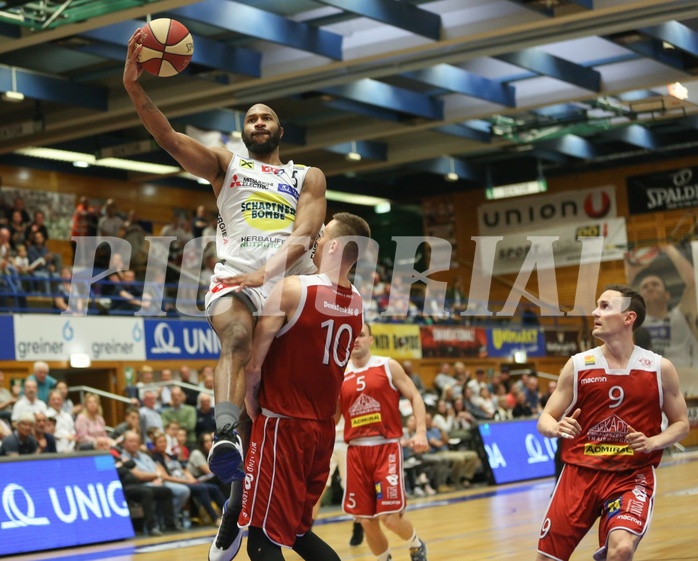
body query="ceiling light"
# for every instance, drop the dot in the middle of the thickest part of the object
(353, 156)
(13, 95)
(80, 360)
(363, 200)
(115, 163)
(382, 208)
(81, 164)
(451, 176)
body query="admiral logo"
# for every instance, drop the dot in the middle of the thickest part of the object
(246, 164)
(284, 188)
(607, 450)
(366, 420)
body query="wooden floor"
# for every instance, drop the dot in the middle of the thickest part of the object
(487, 523)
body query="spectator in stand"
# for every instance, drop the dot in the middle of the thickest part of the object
(68, 405)
(145, 382)
(129, 295)
(64, 431)
(90, 424)
(171, 429)
(443, 378)
(184, 414)
(192, 394)
(17, 228)
(462, 424)
(462, 375)
(552, 384)
(132, 421)
(44, 382)
(37, 225)
(445, 416)
(175, 477)
(61, 299)
(21, 441)
(182, 455)
(164, 399)
(29, 402)
(414, 376)
(478, 382)
(43, 263)
(149, 416)
(456, 300)
(7, 400)
(5, 211)
(111, 222)
(417, 473)
(487, 402)
(83, 216)
(20, 206)
(145, 486)
(199, 222)
(107, 287)
(463, 462)
(46, 443)
(207, 381)
(522, 408)
(473, 406)
(198, 463)
(205, 415)
(532, 393)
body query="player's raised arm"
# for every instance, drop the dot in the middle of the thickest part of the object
(194, 157)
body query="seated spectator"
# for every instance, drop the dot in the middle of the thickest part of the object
(414, 376)
(182, 449)
(129, 295)
(110, 223)
(7, 400)
(146, 383)
(150, 417)
(198, 463)
(142, 484)
(173, 474)
(90, 424)
(487, 402)
(552, 384)
(206, 377)
(17, 228)
(171, 429)
(44, 382)
(29, 402)
(184, 414)
(434, 470)
(64, 431)
(205, 418)
(473, 406)
(191, 393)
(478, 382)
(462, 425)
(522, 408)
(463, 462)
(42, 263)
(164, 398)
(45, 441)
(37, 225)
(61, 299)
(416, 472)
(532, 393)
(132, 421)
(21, 441)
(443, 378)
(68, 405)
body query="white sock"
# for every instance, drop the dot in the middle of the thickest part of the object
(384, 556)
(414, 541)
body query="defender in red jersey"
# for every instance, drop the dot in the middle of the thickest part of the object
(375, 488)
(293, 381)
(607, 410)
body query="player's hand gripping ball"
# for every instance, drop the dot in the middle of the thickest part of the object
(167, 47)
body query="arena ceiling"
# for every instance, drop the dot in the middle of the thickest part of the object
(493, 91)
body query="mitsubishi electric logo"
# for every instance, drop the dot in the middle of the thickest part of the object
(164, 340)
(19, 519)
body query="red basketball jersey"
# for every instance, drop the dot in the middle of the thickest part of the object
(370, 402)
(302, 372)
(612, 400)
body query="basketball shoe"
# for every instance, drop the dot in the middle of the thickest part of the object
(418, 553)
(225, 457)
(228, 538)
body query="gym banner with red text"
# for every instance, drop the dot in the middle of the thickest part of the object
(503, 342)
(443, 341)
(396, 341)
(665, 190)
(545, 211)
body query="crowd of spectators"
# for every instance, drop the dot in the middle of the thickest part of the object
(160, 447)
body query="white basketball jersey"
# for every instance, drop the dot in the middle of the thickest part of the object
(257, 211)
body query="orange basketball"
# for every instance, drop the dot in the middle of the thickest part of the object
(167, 47)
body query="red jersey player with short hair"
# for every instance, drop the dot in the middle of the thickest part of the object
(607, 409)
(375, 487)
(293, 381)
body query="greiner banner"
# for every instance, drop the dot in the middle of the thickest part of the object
(396, 341)
(666, 190)
(41, 337)
(534, 213)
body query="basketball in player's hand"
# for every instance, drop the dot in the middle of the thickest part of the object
(167, 47)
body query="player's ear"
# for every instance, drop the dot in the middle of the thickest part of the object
(281, 131)
(630, 318)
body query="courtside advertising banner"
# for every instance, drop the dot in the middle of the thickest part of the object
(41, 337)
(442, 341)
(396, 341)
(53, 501)
(179, 339)
(504, 342)
(544, 211)
(578, 243)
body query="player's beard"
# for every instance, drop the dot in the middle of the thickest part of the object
(269, 145)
